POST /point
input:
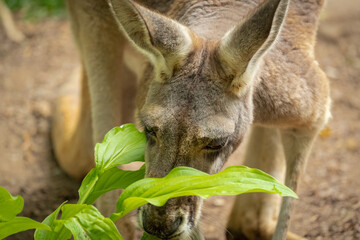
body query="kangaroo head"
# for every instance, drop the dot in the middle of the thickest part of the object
(197, 102)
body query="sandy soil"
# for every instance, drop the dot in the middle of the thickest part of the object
(33, 71)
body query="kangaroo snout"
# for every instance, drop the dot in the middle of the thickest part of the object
(168, 228)
(174, 220)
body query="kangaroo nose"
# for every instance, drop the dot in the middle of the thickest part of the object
(163, 229)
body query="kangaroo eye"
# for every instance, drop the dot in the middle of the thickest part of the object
(150, 131)
(217, 144)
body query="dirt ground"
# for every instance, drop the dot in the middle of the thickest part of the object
(32, 72)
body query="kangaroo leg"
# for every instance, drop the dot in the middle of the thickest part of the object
(107, 203)
(73, 141)
(254, 215)
(71, 127)
(297, 146)
(101, 46)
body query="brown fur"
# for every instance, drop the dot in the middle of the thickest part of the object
(206, 71)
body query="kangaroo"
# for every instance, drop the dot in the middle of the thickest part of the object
(197, 76)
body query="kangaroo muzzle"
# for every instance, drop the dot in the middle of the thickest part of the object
(175, 220)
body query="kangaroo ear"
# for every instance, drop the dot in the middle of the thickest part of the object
(163, 40)
(241, 48)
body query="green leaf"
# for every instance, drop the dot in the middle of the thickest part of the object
(184, 181)
(110, 180)
(79, 220)
(121, 145)
(19, 224)
(76, 229)
(9, 206)
(57, 230)
(10, 224)
(86, 222)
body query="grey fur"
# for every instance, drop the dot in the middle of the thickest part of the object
(204, 77)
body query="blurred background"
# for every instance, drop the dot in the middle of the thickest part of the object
(37, 9)
(38, 56)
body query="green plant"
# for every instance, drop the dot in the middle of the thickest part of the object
(10, 223)
(123, 145)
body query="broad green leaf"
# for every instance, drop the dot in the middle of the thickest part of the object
(86, 222)
(57, 231)
(19, 224)
(9, 206)
(121, 145)
(184, 181)
(9, 223)
(76, 229)
(87, 186)
(81, 221)
(71, 210)
(107, 181)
